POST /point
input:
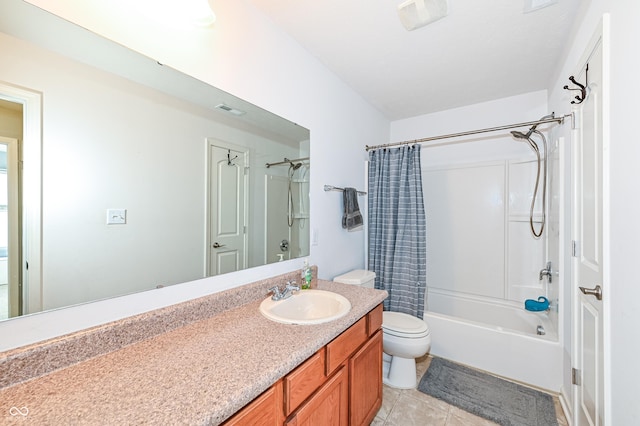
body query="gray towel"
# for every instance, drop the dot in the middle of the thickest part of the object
(352, 218)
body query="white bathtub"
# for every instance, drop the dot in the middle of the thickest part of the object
(495, 337)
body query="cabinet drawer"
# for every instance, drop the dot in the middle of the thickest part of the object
(303, 381)
(344, 345)
(374, 320)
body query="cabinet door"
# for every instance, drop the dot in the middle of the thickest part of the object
(265, 410)
(365, 380)
(302, 382)
(329, 406)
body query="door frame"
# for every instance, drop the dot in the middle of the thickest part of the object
(601, 36)
(31, 215)
(13, 212)
(225, 145)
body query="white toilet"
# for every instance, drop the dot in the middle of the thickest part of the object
(404, 337)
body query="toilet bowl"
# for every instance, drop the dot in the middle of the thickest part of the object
(404, 338)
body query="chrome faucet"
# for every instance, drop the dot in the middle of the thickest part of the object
(548, 272)
(288, 290)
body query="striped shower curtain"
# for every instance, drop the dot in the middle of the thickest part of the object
(397, 228)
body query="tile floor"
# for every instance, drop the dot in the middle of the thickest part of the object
(411, 407)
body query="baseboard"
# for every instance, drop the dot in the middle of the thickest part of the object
(566, 406)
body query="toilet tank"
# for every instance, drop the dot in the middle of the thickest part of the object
(357, 277)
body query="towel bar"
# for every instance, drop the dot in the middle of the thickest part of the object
(335, 188)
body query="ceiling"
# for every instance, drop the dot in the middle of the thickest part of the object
(483, 49)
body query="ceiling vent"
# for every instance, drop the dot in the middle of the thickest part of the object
(230, 110)
(418, 13)
(533, 5)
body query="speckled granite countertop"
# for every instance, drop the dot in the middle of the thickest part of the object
(198, 373)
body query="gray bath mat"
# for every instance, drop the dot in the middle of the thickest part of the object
(498, 400)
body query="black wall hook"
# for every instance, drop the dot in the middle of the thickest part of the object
(582, 88)
(229, 159)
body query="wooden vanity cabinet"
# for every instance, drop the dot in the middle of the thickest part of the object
(339, 385)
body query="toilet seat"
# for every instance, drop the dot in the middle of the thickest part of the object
(404, 325)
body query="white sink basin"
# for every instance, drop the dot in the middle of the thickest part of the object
(306, 307)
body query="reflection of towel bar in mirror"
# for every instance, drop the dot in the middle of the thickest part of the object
(288, 161)
(335, 188)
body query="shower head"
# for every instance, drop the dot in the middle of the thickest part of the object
(295, 166)
(527, 138)
(519, 135)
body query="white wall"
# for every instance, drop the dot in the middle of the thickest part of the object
(624, 285)
(246, 55)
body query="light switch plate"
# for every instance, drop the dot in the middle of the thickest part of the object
(116, 216)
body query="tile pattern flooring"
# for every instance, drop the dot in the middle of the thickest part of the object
(411, 407)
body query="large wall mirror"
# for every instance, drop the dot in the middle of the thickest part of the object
(147, 176)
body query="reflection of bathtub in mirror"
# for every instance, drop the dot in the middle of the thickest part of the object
(139, 148)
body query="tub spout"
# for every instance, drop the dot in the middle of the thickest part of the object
(548, 272)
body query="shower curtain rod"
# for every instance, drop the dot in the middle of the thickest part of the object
(472, 132)
(286, 161)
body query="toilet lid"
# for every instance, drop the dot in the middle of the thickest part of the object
(398, 323)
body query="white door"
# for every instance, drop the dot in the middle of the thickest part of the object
(588, 285)
(227, 206)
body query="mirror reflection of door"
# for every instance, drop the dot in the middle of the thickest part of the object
(10, 290)
(227, 207)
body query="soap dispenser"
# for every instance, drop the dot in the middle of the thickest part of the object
(306, 275)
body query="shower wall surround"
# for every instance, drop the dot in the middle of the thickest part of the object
(479, 239)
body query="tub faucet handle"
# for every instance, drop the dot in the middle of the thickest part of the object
(548, 272)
